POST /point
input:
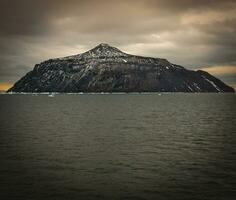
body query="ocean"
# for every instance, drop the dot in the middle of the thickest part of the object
(118, 146)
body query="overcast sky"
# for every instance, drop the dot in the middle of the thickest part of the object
(193, 33)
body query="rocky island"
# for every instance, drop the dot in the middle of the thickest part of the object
(107, 69)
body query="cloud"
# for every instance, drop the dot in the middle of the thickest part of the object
(220, 70)
(5, 86)
(187, 32)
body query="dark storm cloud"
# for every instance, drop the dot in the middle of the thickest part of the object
(188, 32)
(35, 16)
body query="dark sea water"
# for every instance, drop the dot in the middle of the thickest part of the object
(120, 146)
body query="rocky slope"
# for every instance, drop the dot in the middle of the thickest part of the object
(107, 69)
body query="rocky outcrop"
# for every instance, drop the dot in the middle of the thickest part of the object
(107, 69)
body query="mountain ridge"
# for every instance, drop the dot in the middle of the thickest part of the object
(107, 69)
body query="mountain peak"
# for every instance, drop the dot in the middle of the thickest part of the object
(106, 50)
(103, 45)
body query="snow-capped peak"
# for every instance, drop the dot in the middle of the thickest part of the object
(104, 50)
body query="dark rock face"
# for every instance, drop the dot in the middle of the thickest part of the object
(107, 69)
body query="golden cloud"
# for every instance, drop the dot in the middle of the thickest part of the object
(5, 86)
(220, 70)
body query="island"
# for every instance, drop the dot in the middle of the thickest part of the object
(107, 69)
